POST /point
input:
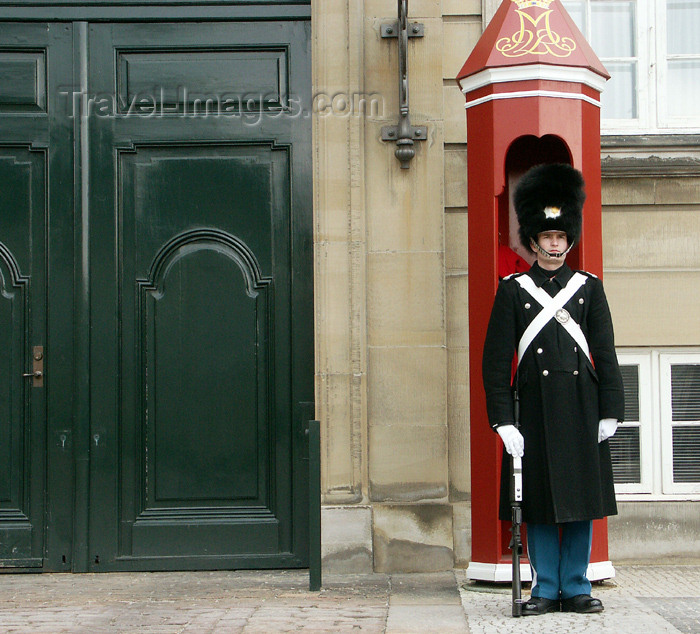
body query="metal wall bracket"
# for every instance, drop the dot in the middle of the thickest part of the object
(404, 133)
(417, 132)
(391, 29)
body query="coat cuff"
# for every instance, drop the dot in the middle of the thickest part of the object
(495, 426)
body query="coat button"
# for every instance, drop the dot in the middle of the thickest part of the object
(545, 373)
(580, 301)
(575, 348)
(527, 306)
(575, 372)
(539, 351)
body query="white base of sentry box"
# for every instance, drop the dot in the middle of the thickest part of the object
(597, 571)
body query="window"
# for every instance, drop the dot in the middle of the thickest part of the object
(650, 49)
(679, 62)
(656, 451)
(631, 446)
(680, 409)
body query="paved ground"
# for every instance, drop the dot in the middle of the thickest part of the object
(640, 600)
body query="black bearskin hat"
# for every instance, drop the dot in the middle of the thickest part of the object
(550, 197)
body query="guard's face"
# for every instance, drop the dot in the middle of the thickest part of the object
(553, 241)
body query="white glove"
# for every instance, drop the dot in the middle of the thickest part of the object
(606, 428)
(512, 439)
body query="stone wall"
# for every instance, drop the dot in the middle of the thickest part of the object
(655, 532)
(651, 233)
(391, 279)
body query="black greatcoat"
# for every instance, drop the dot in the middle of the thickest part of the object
(567, 474)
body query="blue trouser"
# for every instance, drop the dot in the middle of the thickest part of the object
(559, 565)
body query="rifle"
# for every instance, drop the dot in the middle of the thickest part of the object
(516, 500)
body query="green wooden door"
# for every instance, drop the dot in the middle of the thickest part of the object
(36, 276)
(200, 295)
(155, 240)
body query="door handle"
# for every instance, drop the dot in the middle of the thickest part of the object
(37, 373)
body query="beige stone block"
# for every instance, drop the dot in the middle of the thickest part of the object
(340, 445)
(404, 206)
(461, 7)
(416, 9)
(413, 538)
(455, 115)
(456, 177)
(462, 528)
(654, 308)
(456, 240)
(331, 34)
(651, 238)
(381, 76)
(628, 191)
(677, 191)
(460, 38)
(655, 532)
(488, 9)
(346, 539)
(408, 463)
(407, 387)
(650, 191)
(333, 306)
(425, 81)
(458, 424)
(332, 191)
(405, 299)
(424, 60)
(457, 291)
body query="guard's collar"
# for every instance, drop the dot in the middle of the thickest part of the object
(562, 275)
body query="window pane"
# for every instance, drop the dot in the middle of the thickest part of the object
(577, 11)
(685, 393)
(624, 445)
(624, 448)
(612, 29)
(630, 380)
(683, 94)
(686, 454)
(619, 99)
(682, 20)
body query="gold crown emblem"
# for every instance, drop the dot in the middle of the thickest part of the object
(526, 4)
(552, 213)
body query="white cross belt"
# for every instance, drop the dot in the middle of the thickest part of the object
(552, 308)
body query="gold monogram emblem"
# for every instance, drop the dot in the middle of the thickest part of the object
(535, 36)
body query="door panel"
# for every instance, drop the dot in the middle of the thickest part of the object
(200, 254)
(193, 217)
(155, 240)
(22, 412)
(34, 202)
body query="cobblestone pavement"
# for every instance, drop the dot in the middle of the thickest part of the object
(641, 599)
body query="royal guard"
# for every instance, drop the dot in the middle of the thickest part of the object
(569, 387)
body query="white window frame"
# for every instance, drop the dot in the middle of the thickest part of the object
(666, 360)
(664, 121)
(646, 423)
(656, 433)
(645, 79)
(650, 44)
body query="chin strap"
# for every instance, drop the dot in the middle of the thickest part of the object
(537, 247)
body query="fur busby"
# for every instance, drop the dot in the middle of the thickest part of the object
(550, 197)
